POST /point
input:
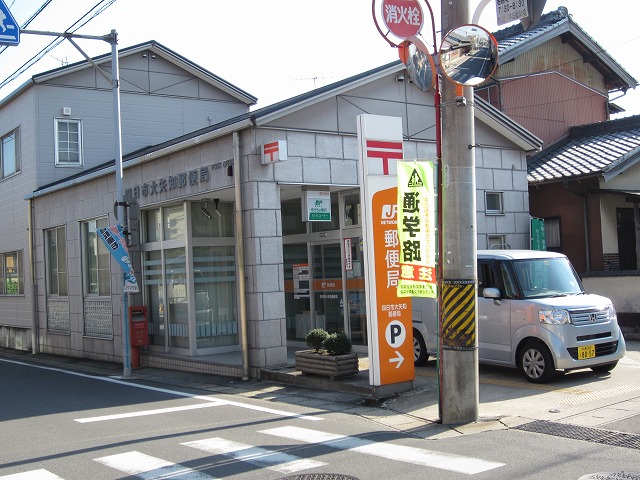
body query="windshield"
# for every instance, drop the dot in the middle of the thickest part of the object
(547, 277)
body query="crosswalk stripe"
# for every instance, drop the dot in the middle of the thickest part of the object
(147, 467)
(260, 457)
(417, 456)
(40, 474)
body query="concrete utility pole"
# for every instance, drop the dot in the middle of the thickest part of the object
(459, 351)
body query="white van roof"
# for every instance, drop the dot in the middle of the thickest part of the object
(516, 254)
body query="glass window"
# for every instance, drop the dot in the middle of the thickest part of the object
(352, 213)
(174, 222)
(57, 261)
(153, 223)
(211, 219)
(11, 274)
(10, 154)
(214, 278)
(68, 142)
(496, 242)
(493, 203)
(291, 211)
(552, 232)
(97, 269)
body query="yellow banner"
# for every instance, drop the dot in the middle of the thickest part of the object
(416, 230)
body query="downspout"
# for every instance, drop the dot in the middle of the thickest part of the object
(242, 304)
(34, 289)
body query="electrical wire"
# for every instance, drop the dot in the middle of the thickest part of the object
(97, 9)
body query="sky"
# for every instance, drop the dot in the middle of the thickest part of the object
(276, 49)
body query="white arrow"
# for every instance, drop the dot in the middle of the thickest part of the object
(399, 359)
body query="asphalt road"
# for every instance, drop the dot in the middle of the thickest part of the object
(60, 424)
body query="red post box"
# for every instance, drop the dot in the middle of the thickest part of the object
(139, 331)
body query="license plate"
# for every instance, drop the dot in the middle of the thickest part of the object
(588, 351)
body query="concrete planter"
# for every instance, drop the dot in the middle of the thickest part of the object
(333, 366)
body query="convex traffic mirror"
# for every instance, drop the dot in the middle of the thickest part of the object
(468, 55)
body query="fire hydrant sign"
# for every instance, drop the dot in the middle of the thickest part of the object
(388, 316)
(416, 230)
(403, 18)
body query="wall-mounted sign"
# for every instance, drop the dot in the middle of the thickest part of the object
(317, 206)
(274, 152)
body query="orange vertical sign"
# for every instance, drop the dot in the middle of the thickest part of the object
(395, 329)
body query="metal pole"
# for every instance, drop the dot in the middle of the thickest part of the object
(115, 74)
(459, 381)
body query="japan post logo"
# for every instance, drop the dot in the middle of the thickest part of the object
(389, 212)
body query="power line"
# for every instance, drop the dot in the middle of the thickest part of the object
(92, 13)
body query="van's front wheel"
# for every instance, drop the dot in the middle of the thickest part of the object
(536, 362)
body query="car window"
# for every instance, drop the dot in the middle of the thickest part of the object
(509, 285)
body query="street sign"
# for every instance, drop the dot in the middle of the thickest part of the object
(9, 28)
(403, 18)
(510, 10)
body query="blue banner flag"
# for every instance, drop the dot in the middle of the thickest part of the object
(113, 238)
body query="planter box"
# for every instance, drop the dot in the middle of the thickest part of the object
(333, 366)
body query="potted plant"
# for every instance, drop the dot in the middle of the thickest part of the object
(331, 355)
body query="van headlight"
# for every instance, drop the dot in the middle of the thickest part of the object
(554, 317)
(611, 312)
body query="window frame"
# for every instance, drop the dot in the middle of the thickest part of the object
(68, 121)
(500, 242)
(15, 133)
(102, 253)
(61, 274)
(500, 196)
(4, 276)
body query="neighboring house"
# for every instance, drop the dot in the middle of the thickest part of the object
(553, 77)
(60, 124)
(556, 81)
(204, 273)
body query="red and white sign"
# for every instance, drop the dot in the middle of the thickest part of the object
(403, 18)
(274, 152)
(388, 316)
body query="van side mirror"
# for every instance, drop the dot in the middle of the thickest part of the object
(491, 292)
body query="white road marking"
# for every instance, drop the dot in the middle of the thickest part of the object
(40, 474)
(217, 401)
(417, 456)
(260, 457)
(147, 467)
(157, 411)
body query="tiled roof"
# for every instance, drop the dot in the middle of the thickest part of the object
(513, 41)
(604, 148)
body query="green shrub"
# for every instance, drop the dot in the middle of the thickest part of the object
(337, 344)
(315, 338)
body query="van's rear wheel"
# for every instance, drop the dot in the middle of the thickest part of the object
(420, 355)
(536, 362)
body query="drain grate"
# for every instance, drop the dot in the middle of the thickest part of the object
(588, 434)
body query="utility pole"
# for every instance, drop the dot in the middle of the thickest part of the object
(458, 303)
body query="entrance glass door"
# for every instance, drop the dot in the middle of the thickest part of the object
(327, 286)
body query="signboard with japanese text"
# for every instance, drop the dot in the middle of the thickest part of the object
(389, 319)
(416, 230)
(318, 206)
(403, 18)
(113, 238)
(511, 10)
(538, 239)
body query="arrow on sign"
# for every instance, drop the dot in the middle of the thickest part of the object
(399, 359)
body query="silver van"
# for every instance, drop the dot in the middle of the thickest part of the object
(533, 314)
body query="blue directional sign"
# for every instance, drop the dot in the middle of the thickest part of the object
(9, 28)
